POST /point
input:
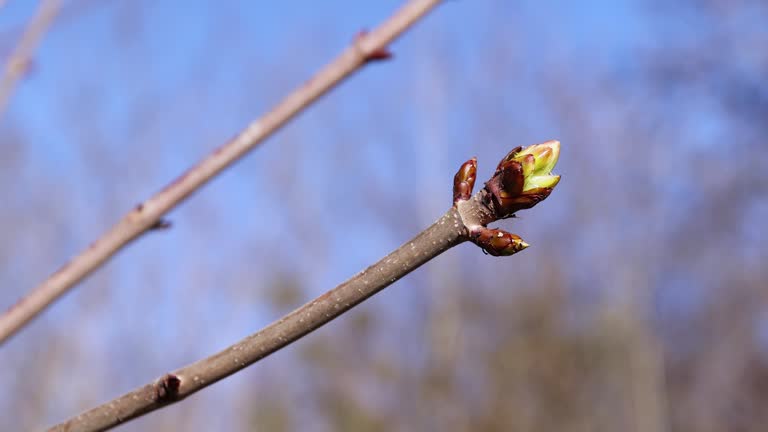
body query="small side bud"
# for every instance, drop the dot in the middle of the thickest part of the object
(498, 242)
(464, 181)
(376, 55)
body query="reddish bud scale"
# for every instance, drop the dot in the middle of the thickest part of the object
(506, 189)
(508, 157)
(498, 242)
(464, 181)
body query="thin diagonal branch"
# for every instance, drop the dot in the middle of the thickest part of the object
(18, 62)
(175, 386)
(466, 220)
(366, 47)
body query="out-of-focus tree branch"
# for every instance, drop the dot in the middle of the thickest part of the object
(366, 47)
(506, 192)
(19, 60)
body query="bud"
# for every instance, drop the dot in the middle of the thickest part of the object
(538, 161)
(523, 178)
(497, 242)
(464, 181)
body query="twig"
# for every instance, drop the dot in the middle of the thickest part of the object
(469, 215)
(19, 60)
(177, 385)
(365, 48)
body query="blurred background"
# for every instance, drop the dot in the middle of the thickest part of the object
(641, 305)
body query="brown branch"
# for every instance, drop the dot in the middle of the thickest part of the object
(365, 47)
(177, 385)
(19, 61)
(466, 220)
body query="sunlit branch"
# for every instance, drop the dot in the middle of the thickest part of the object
(465, 220)
(366, 47)
(19, 60)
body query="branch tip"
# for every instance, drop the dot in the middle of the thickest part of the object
(522, 179)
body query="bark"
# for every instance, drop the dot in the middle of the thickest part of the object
(446, 232)
(367, 47)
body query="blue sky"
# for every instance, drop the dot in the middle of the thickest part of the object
(125, 95)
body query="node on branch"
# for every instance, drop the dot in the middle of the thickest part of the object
(522, 179)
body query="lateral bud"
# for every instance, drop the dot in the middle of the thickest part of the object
(498, 242)
(464, 181)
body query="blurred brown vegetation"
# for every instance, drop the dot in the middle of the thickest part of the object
(640, 307)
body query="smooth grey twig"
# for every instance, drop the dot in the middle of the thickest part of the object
(445, 233)
(368, 46)
(504, 193)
